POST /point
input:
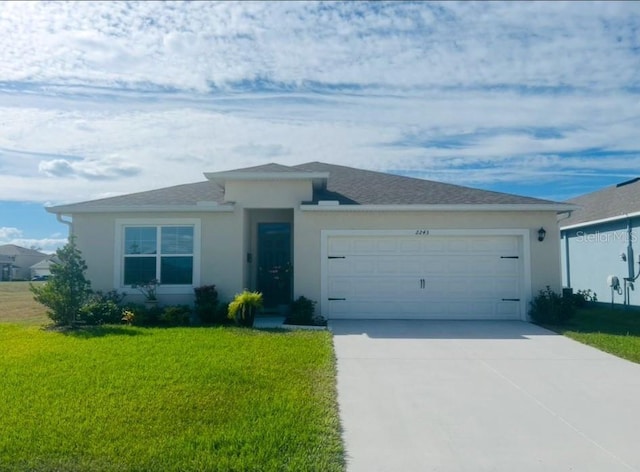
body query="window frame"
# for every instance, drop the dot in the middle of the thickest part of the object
(158, 223)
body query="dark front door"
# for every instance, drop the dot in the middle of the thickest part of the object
(274, 263)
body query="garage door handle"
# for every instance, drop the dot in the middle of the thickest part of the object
(510, 299)
(334, 299)
(337, 257)
(509, 257)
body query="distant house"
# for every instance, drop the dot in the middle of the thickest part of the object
(362, 244)
(16, 261)
(7, 268)
(601, 240)
(43, 268)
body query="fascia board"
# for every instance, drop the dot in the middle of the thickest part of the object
(601, 221)
(69, 209)
(559, 207)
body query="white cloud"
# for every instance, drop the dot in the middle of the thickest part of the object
(90, 170)
(10, 235)
(189, 45)
(9, 232)
(102, 98)
(46, 245)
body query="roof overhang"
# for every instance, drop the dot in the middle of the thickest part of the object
(601, 221)
(557, 208)
(200, 207)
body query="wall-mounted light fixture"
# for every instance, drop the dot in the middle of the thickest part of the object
(541, 234)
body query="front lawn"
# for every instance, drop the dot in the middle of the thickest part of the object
(18, 306)
(181, 399)
(615, 331)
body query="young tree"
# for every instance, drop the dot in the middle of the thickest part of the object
(67, 289)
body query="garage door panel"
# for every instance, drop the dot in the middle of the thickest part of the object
(443, 277)
(411, 246)
(399, 265)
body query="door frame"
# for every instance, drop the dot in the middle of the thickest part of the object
(524, 234)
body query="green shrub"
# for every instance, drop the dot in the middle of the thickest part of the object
(303, 313)
(244, 306)
(584, 298)
(176, 315)
(102, 308)
(548, 307)
(206, 304)
(222, 313)
(67, 290)
(143, 316)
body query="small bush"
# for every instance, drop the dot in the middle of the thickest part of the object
(244, 306)
(128, 317)
(222, 313)
(67, 290)
(176, 315)
(102, 308)
(583, 298)
(143, 316)
(206, 304)
(303, 313)
(548, 307)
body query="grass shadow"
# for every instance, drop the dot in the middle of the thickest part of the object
(90, 332)
(616, 321)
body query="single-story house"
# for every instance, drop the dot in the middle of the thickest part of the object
(362, 244)
(21, 258)
(43, 268)
(601, 240)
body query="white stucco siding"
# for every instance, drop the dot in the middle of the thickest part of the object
(268, 194)
(544, 256)
(595, 252)
(221, 249)
(226, 237)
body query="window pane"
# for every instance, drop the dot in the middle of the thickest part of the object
(139, 270)
(177, 240)
(176, 270)
(140, 240)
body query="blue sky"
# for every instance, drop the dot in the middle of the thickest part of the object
(100, 99)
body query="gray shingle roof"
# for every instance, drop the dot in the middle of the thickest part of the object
(365, 187)
(347, 185)
(14, 250)
(186, 194)
(609, 202)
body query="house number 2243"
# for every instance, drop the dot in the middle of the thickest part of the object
(422, 232)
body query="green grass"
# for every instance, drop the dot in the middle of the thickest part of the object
(615, 331)
(18, 306)
(118, 398)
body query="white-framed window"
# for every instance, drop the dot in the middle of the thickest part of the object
(158, 249)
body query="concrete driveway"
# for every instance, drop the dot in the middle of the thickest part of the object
(482, 396)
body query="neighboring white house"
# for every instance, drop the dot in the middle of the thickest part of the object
(601, 240)
(43, 268)
(362, 244)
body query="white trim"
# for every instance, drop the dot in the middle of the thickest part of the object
(69, 209)
(558, 207)
(600, 221)
(522, 233)
(234, 175)
(119, 226)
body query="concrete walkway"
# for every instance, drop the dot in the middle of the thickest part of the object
(482, 396)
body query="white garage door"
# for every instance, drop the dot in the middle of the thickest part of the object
(424, 277)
